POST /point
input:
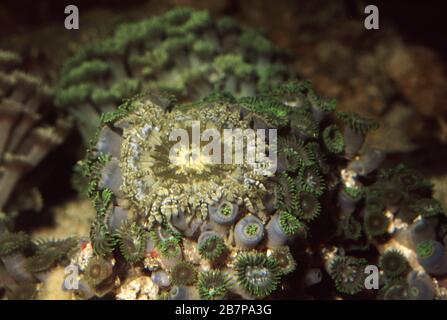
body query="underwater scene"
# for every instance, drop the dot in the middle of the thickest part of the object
(223, 150)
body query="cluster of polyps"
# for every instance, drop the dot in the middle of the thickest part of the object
(25, 137)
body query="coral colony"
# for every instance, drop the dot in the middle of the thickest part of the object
(184, 211)
(184, 52)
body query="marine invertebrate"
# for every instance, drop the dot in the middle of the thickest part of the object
(308, 206)
(376, 223)
(432, 256)
(348, 273)
(310, 180)
(211, 246)
(355, 129)
(188, 56)
(393, 263)
(28, 129)
(102, 241)
(12, 256)
(236, 217)
(248, 232)
(395, 289)
(283, 256)
(183, 274)
(213, 284)
(283, 226)
(48, 253)
(97, 271)
(285, 193)
(333, 139)
(257, 273)
(12, 242)
(427, 207)
(132, 241)
(420, 286)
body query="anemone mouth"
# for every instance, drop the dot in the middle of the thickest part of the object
(393, 263)
(213, 284)
(252, 230)
(181, 175)
(225, 213)
(290, 224)
(392, 196)
(97, 271)
(376, 224)
(170, 248)
(212, 247)
(183, 274)
(408, 179)
(257, 273)
(310, 180)
(309, 206)
(425, 249)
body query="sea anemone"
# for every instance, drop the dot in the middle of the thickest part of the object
(211, 246)
(395, 289)
(225, 213)
(285, 193)
(170, 251)
(213, 284)
(310, 180)
(101, 239)
(376, 223)
(97, 271)
(295, 153)
(179, 293)
(393, 263)
(303, 124)
(283, 256)
(248, 232)
(132, 241)
(420, 286)
(308, 206)
(348, 274)
(257, 273)
(355, 129)
(432, 256)
(183, 274)
(427, 207)
(40, 262)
